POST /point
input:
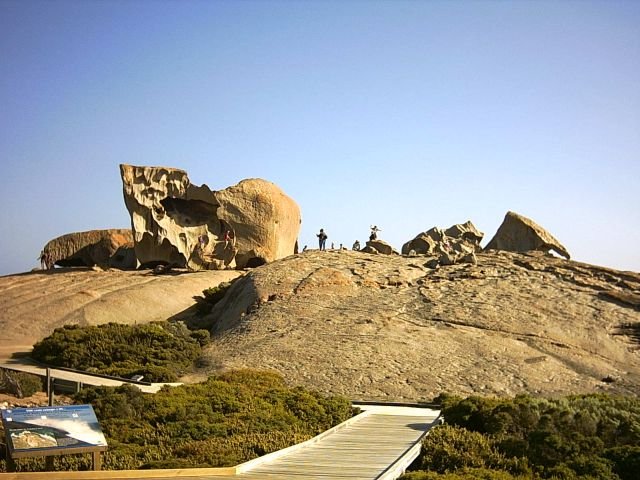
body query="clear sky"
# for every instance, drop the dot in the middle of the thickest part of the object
(406, 115)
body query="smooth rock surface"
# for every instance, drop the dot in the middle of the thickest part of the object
(387, 327)
(34, 304)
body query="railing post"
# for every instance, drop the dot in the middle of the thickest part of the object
(49, 387)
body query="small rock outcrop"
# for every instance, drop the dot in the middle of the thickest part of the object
(459, 239)
(379, 246)
(107, 248)
(180, 224)
(521, 234)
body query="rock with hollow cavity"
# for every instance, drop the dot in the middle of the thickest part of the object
(521, 234)
(111, 247)
(177, 223)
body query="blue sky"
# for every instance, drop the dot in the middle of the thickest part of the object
(402, 114)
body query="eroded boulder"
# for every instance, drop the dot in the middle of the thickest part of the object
(107, 248)
(521, 234)
(379, 246)
(177, 223)
(462, 238)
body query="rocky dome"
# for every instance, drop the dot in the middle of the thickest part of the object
(390, 327)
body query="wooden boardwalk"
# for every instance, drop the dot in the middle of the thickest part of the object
(377, 444)
(80, 378)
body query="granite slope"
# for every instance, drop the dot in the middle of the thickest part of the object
(33, 304)
(390, 328)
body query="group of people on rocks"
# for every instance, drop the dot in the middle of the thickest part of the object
(322, 239)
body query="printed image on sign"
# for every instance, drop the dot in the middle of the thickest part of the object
(42, 428)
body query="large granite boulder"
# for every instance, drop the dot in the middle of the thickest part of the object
(462, 238)
(521, 234)
(181, 224)
(107, 248)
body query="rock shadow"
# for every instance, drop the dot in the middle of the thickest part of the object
(631, 330)
(623, 299)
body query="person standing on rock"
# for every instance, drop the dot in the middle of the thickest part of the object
(229, 239)
(322, 239)
(374, 233)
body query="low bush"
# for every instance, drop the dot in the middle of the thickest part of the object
(19, 384)
(211, 296)
(159, 351)
(580, 436)
(228, 419)
(465, 474)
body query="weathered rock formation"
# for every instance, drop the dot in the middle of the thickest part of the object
(177, 223)
(460, 239)
(107, 248)
(379, 246)
(521, 234)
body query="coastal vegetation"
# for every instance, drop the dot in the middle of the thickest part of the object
(583, 436)
(229, 419)
(19, 384)
(159, 351)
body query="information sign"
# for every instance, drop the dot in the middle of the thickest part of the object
(52, 430)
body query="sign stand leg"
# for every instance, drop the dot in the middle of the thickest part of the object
(11, 464)
(97, 460)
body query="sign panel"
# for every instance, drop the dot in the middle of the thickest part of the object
(43, 429)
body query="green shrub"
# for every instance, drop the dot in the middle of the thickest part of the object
(580, 436)
(626, 461)
(465, 474)
(19, 384)
(159, 351)
(211, 296)
(229, 419)
(203, 337)
(450, 448)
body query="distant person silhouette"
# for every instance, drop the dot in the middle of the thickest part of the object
(322, 239)
(374, 233)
